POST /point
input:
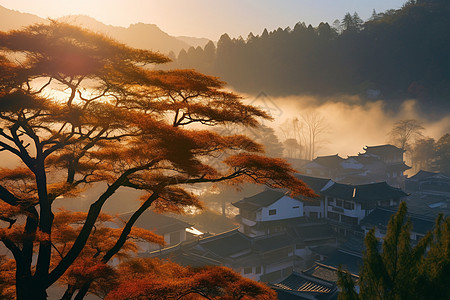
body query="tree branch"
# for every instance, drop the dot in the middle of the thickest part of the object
(85, 231)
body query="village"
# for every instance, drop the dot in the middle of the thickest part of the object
(297, 244)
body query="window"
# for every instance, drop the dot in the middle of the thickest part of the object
(295, 206)
(272, 212)
(349, 205)
(339, 202)
(349, 220)
(248, 270)
(258, 270)
(313, 215)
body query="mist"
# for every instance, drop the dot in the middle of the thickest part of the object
(351, 122)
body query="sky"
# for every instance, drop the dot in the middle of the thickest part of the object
(206, 18)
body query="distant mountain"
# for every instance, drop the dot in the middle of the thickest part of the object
(193, 41)
(140, 35)
(12, 19)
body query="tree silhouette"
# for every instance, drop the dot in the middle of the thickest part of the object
(78, 108)
(442, 152)
(400, 270)
(423, 152)
(404, 132)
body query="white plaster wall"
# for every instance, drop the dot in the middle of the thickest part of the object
(318, 209)
(285, 209)
(358, 212)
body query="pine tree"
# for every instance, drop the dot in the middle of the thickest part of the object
(399, 270)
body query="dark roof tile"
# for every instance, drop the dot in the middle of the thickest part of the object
(260, 200)
(315, 183)
(371, 192)
(380, 217)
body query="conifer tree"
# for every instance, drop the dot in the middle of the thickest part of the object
(400, 270)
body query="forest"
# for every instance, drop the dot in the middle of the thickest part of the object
(395, 55)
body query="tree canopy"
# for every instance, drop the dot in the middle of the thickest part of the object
(77, 108)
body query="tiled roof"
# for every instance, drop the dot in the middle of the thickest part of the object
(329, 161)
(323, 272)
(401, 165)
(348, 260)
(302, 283)
(380, 216)
(382, 148)
(314, 183)
(371, 192)
(311, 232)
(260, 200)
(274, 242)
(226, 244)
(158, 223)
(425, 175)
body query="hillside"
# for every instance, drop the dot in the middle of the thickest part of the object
(12, 19)
(140, 35)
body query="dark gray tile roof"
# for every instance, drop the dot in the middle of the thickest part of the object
(421, 175)
(382, 149)
(371, 192)
(348, 260)
(315, 183)
(274, 242)
(380, 216)
(312, 231)
(329, 161)
(227, 244)
(260, 200)
(302, 283)
(305, 286)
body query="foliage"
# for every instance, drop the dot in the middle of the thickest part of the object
(7, 270)
(77, 108)
(442, 152)
(428, 154)
(155, 279)
(399, 270)
(423, 152)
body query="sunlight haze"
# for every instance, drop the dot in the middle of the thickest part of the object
(202, 18)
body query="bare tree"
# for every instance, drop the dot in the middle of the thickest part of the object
(294, 137)
(404, 132)
(316, 127)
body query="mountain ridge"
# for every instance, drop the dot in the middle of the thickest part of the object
(133, 35)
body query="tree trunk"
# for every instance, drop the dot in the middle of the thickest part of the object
(30, 289)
